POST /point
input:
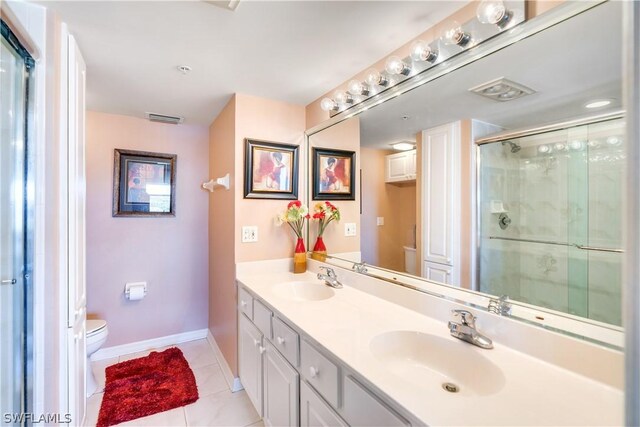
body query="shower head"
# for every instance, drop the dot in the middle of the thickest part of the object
(514, 147)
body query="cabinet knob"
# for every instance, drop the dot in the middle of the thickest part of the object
(243, 303)
(262, 349)
(256, 342)
(280, 340)
(314, 372)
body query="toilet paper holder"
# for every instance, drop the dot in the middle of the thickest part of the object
(135, 285)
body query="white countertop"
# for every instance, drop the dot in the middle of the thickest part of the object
(534, 392)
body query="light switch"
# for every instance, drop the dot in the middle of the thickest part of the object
(249, 233)
(380, 220)
(350, 229)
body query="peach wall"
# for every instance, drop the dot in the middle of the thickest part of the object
(170, 254)
(268, 120)
(383, 245)
(343, 136)
(222, 274)
(467, 169)
(256, 118)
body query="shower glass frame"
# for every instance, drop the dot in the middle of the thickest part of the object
(509, 135)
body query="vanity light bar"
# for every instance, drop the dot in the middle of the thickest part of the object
(492, 18)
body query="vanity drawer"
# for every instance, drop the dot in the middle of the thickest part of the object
(286, 341)
(262, 318)
(320, 372)
(245, 303)
(360, 407)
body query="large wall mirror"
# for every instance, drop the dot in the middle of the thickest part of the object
(512, 179)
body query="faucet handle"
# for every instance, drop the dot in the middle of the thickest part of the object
(329, 271)
(466, 317)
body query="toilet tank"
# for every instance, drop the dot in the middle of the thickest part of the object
(410, 260)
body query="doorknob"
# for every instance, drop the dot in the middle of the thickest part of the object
(8, 282)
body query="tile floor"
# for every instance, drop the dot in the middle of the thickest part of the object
(216, 406)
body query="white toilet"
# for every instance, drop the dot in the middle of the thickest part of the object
(410, 260)
(96, 336)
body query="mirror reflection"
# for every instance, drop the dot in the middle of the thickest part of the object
(534, 214)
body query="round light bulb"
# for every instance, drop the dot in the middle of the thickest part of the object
(492, 12)
(342, 97)
(453, 34)
(544, 149)
(375, 78)
(421, 51)
(614, 140)
(395, 66)
(576, 145)
(328, 104)
(593, 143)
(356, 87)
(559, 146)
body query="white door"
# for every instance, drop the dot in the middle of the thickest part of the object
(76, 232)
(280, 390)
(396, 167)
(250, 360)
(314, 411)
(441, 197)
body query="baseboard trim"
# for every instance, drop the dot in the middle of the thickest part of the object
(233, 382)
(134, 347)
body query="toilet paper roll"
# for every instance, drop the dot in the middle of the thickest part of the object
(136, 293)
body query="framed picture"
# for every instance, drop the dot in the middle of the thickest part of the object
(144, 184)
(334, 174)
(270, 170)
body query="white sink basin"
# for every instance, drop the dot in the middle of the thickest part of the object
(431, 361)
(304, 291)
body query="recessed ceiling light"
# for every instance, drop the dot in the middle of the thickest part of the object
(598, 103)
(403, 146)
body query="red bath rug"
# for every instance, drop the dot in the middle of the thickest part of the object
(145, 386)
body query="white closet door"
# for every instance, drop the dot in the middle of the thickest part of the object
(76, 205)
(441, 196)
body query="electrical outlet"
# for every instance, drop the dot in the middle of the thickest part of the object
(350, 229)
(380, 220)
(249, 233)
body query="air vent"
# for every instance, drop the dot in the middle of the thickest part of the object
(502, 90)
(163, 118)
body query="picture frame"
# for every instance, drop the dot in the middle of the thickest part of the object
(270, 170)
(144, 184)
(333, 174)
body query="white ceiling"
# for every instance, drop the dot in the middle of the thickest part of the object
(569, 64)
(292, 51)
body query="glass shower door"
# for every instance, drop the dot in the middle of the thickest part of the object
(13, 99)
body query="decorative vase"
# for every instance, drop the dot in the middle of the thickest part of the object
(300, 257)
(319, 250)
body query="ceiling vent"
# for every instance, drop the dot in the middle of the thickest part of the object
(502, 89)
(164, 118)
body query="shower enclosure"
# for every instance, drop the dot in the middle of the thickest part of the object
(15, 231)
(550, 219)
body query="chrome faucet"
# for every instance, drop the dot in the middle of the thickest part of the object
(465, 329)
(359, 267)
(330, 279)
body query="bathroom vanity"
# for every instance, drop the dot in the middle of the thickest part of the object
(313, 355)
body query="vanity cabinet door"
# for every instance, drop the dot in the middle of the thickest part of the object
(280, 390)
(250, 351)
(362, 408)
(315, 412)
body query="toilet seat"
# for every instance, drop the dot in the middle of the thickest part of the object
(95, 326)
